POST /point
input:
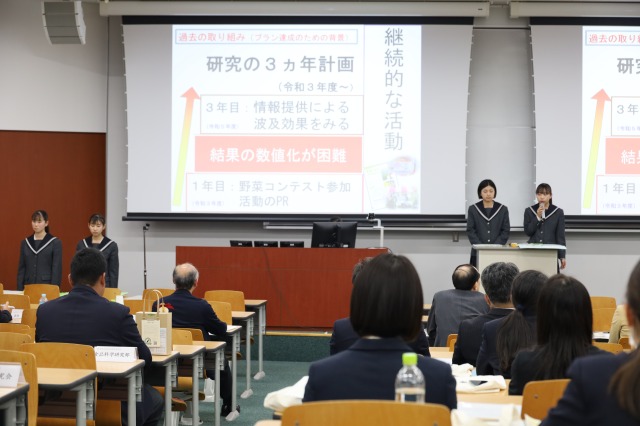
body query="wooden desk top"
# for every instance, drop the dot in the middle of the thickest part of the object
(189, 351)
(232, 329)
(242, 315)
(162, 360)
(7, 394)
(118, 369)
(63, 378)
(254, 303)
(210, 345)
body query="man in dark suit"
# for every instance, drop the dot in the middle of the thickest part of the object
(496, 281)
(85, 317)
(188, 311)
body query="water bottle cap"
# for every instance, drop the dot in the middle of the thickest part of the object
(44, 294)
(409, 358)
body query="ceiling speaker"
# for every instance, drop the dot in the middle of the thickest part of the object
(63, 22)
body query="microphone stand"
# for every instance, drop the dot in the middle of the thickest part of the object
(378, 225)
(145, 228)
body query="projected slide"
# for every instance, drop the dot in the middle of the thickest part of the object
(611, 121)
(296, 119)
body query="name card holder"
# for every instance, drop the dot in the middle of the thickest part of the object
(16, 316)
(116, 353)
(11, 374)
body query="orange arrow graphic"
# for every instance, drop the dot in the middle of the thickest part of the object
(191, 96)
(601, 97)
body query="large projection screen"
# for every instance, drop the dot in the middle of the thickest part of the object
(263, 120)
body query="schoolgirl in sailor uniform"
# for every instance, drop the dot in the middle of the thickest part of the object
(40, 254)
(544, 222)
(105, 245)
(487, 220)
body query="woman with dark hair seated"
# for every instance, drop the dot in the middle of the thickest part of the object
(386, 312)
(605, 389)
(503, 338)
(564, 330)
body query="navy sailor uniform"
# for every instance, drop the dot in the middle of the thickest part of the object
(109, 250)
(548, 230)
(40, 261)
(487, 228)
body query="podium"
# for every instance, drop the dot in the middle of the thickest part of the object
(540, 257)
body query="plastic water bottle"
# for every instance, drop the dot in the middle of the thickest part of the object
(410, 381)
(43, 299)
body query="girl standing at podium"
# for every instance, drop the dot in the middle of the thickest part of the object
(487, 220)
(40, 254)
(106, 246)
(544, 222)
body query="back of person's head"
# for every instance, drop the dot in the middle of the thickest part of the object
(464, 277)
(87, 266)
(516, 333)
(497, 279)
(386, 300)
(565, 326)
(185, 276)
(357, 268)
(625, 383)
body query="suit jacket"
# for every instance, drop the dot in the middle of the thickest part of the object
(586, 400)
(189, 311)
(368, 369)
(5, 316)
(448, 309)
(42, 265)
(84, 317)
(109, 250)
(526, 368)
(470, 336)
(488, 362)
(343, 336)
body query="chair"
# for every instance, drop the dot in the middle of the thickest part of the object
(539, 396)
(598, 302)
(134, 305)
(30, 371)
(19, 301)
(13, 341)
(110, 293)
(196, 334)
(62, 355)
(365, 413)
(1, 288)
(29, 317)
(35, 291)
(602, 319)
(614, 348)
(452, 344)
(624, 342)
(450, 338)
(222, 310)
(18, 328)
(234, 297)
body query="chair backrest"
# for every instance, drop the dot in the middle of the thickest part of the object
(598, 302)
(18, 328)
(62, 355)
(234, 297)
(196, 333)
(222, 310)
(35, 291)
(30, 371)
(181, 336)
(135, 305)
(449, 339)
(29, 317)
(614, 348)
(13, 341)
(452, 344)
(369, 413)
(624, 342)
(20, 301)
(602, 318)
(539, 396)
(1, 288)
(110, 293)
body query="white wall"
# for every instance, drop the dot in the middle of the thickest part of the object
(82, 88)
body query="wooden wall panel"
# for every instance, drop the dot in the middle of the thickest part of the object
(62, 173)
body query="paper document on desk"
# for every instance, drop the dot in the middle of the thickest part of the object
(286, 397)
(474, 414)
(480, 384)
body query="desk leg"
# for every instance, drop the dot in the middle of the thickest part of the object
(249, 327)
(81, 405)
(9, 412)
(262, 325)
(216, 401)
(234, 377)
(167, 394)
(197, 361)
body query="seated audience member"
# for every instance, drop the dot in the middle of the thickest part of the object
(450, 307)
(386, 312)
(189, 311)
(5, 312)
(503, 338)
(619, 325)
(564, 333)
(85, 317)
(604, 389)
(343, 335)
(496, 281)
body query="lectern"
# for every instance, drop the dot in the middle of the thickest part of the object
(541, 257)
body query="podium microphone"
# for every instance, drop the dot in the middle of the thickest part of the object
(145, 228)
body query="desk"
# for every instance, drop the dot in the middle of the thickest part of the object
(259, 306)
(12, 403)
(289, 278)
(194, 353)
(132, 371)
(247, 319)
(216, 348)
(170, 365)
(78, 380)
(234, 332)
